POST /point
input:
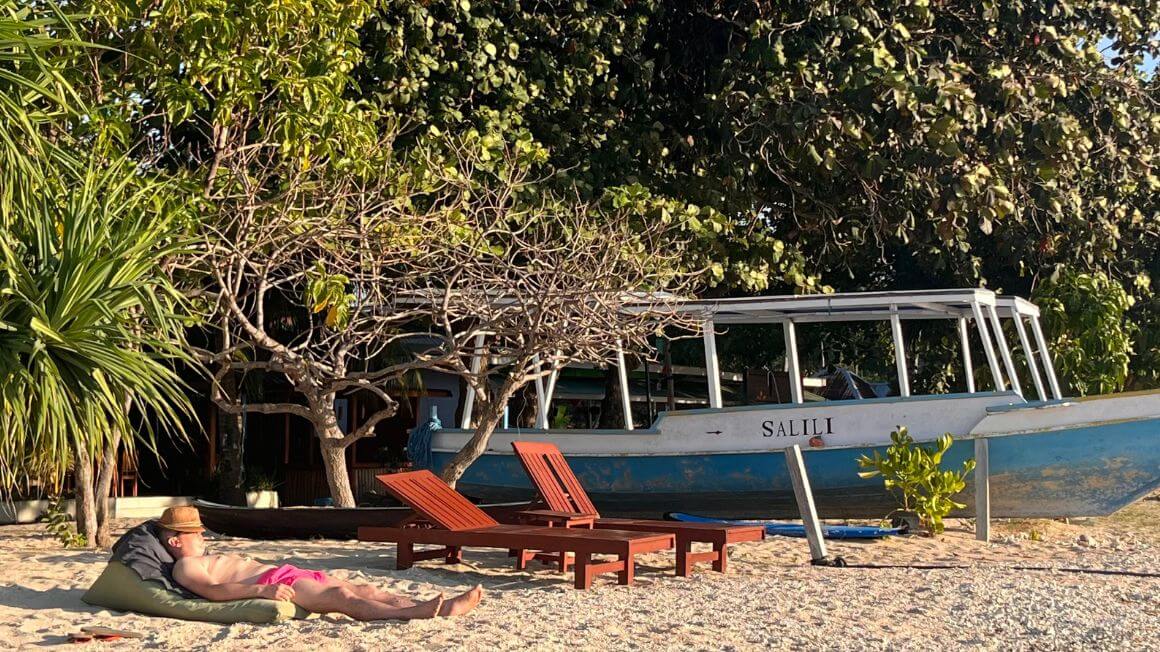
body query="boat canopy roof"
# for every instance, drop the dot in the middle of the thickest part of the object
(852, 306)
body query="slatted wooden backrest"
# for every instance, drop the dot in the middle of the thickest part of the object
(424, 492)
(554, 479)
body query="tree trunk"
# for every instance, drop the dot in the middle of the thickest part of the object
(107, 470)
(334, 461)
(492, 415)
(85, 504)
(231, 465)
(611, 412)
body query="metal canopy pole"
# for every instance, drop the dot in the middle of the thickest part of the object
(899, 352)
(988, 348)
(712, 371)
(791, 360)
(469, 400)
(1004, 350)
(1032, 366)
(625, 399)
(1045, 355)
(967, 366)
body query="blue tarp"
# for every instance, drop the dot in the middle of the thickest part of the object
(797, 529)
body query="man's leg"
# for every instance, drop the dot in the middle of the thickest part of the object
(332, 597)
(456, 606)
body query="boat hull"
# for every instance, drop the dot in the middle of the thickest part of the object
(1086, 470)
(315, 522)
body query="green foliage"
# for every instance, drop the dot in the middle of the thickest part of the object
(1084, 314)
(257, 481)
(883, 145)
(914, 474)
(329, 292)
(89, 318)
(59, 524)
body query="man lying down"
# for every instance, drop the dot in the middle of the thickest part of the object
(231, 577)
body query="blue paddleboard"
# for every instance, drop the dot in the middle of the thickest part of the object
(796, 529)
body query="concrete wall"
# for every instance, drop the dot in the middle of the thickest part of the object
(28, 511)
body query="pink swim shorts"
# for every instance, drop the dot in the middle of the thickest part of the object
(288, 575)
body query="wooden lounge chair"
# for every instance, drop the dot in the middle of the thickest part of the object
(444, 517)
(562, 492)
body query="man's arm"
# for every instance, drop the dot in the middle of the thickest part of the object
(194, 577)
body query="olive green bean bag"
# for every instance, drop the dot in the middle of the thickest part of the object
(120, 588)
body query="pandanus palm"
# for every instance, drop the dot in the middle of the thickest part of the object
(90, 322)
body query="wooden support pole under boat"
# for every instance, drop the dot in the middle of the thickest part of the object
(899, 352)
(968, 368)
(712, 371)
(988, 347)
(982, 490)
(1004, 350)
(625, 399)
(1032, 366)
(469, 400)
(1045, 356)
(791, 361)
(805, 501)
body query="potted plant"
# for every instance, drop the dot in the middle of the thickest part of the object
(261, 491)
(914, 475)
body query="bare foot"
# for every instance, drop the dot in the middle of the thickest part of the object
(462, 603)
(428, 609)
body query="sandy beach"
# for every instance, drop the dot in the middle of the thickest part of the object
(770, 598)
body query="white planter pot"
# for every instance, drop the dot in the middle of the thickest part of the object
(266, 499)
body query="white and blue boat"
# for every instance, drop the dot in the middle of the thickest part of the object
(1049, 456)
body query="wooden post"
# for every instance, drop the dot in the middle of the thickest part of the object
(286, 439)
(213, 438)
(805, 501)
(982, 490)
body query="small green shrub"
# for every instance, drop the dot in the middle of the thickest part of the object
(259, 481)
(60, 525)
(913, 474)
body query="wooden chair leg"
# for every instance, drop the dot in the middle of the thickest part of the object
(565, 561)
(625, 577)
(720, 562)
(454, 555)
(522, 558)
(405, 555)
(684, 567)
(583, 577)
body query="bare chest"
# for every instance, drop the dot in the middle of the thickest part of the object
(224, 569)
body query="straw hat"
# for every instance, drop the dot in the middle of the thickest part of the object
(184, 518)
